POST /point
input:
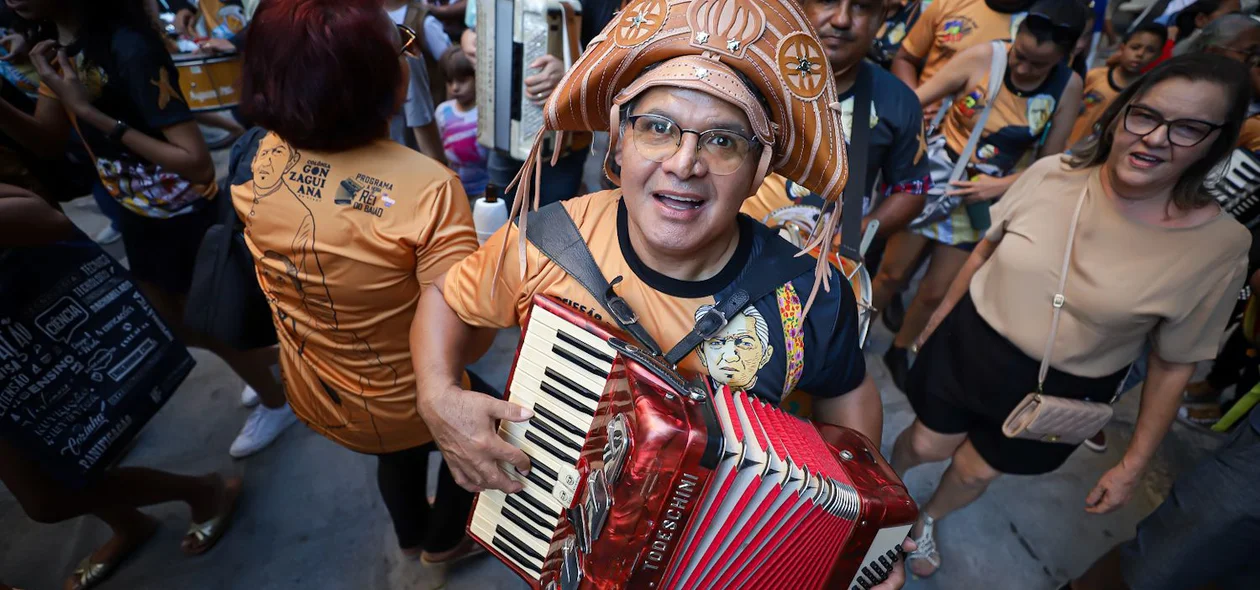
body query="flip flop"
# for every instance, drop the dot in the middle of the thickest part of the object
(201, 537)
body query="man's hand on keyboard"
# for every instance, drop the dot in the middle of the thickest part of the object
(463, 425)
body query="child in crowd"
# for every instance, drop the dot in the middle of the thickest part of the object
(1140, 48)
(457, 121)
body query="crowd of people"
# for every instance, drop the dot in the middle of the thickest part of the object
(1080, 229)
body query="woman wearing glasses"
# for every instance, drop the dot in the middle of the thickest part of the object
(1153, 258)
(347, 227)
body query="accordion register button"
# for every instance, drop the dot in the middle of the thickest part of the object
(568, 477)
(563, 495)
(884, 562)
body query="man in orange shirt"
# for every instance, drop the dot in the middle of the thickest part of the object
(946, 28)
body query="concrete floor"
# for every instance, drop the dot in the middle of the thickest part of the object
(311, 517)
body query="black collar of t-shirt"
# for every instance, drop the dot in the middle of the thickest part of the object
(679, 288)
(1111, 79)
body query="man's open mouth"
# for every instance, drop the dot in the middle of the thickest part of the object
(678, 202)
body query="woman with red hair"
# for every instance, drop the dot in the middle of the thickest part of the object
(347, 228)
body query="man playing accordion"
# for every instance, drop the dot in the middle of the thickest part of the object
(696, 125)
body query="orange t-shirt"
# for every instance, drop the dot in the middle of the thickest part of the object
(769, 349)
(1249, 136)
(1099, 91)
(344, 243)
(948, 27)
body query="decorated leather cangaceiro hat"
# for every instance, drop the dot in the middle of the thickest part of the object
(718, 47)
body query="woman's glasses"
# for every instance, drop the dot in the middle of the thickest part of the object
(1142, 121)
(408, 41)
(658, 138)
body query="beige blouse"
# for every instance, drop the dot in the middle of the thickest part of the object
(1127, 280)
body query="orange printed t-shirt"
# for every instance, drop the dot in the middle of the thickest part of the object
(1100, 90)
(1249, 136)
(948, 27)
(344, 243)
(769, 349)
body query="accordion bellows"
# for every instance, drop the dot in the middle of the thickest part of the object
(644, 478)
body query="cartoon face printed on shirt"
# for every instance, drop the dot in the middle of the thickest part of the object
(897, 34)
(273, 160)
(846, 116)
(734, 356)
(1040, 109)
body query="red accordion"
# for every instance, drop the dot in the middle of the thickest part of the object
(643, 478)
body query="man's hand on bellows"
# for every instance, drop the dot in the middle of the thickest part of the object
(463, 425)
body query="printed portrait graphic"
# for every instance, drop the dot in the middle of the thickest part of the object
(734, 356)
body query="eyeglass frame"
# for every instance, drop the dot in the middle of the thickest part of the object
(753, 141)
(409, 38)
(1164, 122)
(1251, 58)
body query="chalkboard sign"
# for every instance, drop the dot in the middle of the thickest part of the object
(85, 361)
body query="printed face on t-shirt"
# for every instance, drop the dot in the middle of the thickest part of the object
(734, 356)
(274, 158)
(678, 205)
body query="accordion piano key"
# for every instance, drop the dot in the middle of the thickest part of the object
(677, 489)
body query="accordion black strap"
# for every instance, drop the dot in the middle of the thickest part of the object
(776, 264)
(551, 230)
(859, 148)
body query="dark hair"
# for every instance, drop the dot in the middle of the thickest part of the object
(1152, 28)
(455, 65)
(1185, 19)
(98, 20)
(1189, 191)
(1044, 30)
(321, 74)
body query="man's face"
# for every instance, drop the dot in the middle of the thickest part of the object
(846, 28)
(734, 356)
(677, 206)
(1241, 48)
(271, 162)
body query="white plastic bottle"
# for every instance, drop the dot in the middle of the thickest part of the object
(489, 213)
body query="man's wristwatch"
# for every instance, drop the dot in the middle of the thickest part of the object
(119, 129)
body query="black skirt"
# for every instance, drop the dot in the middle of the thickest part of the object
(968, 378)
(163, 251)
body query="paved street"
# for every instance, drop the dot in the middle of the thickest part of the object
(311, 517)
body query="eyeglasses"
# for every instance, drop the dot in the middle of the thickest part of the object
(408, 40)
(1142, 121)
(1251, 58)
(658, 138)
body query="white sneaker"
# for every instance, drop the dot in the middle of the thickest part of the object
(261, 429)
(109, 235)
(249, 397)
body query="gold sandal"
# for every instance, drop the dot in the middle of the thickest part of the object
(88, 574)
(201, 537)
